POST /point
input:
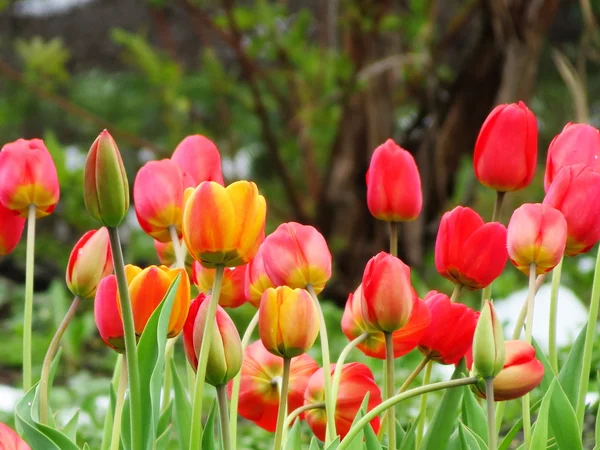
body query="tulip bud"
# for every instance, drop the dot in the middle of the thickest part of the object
(90, 261)
(105, 185)
(536, 235)
(259, 391)
(199, 159)
(297, 255)
(257, 280)
(10, 440)
(11, 229)
(488, 343)
(521, 373)
(469, 251)
(107, 316)
(506, 148)
(387, 293)
(233, 284)
(28, 177)
(393, 184)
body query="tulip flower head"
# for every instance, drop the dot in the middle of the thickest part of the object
(537, 235)
(259, 392)
(233, 284)
(469, 251)
(107, 316)
(224, 226)
(393, 184)
(488, 343)
(11, 229)
(10, 440)
(199, 159)
(506, 148)
(28, 177)
(257, 280)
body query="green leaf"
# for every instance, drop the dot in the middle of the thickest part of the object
(163, 439)
(314, 444)
(208, 436)
(371, 441)
(469, 439)
(563, 420)
(333, 446)
(570, 373)
(85, 446)
(294, 441)
(182, 414)
(165, 419)
(70, 428)
(597, 446)
(410, 438)
(505, 444)
(357, 442)
(473, 415)
(539, 438)
(126, 426)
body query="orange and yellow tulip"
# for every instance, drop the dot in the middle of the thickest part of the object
(233, 284)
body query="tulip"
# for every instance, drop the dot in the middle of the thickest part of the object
(259, 393)
(469, 251)
(224, 226)
(404, 339)
(575, 192)
(506, 148)
(28, 177)
(281, 311)
(393, 184)
(387, 294)
(107, 316)
(158, 199)
(90, 261)
(577, 143)
(450, 333)
(355, 382)
(233, 284)
(488, 343)
(521, 373)
(199, 159)
(11, 229)
(166, 255)
(257, 280)
(147, 289)
(10, 440)
(537, 235)
(105, 185)
(297, 255)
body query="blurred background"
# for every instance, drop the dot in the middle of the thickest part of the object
(296, 95)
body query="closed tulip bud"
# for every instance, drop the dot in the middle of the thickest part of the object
(577, 143)
(159, 209)
(106, 314)
(90, 261)
(105, 185)
(575, 192)
(450, 333)
(257, 280)
(224, 226)
(166, 255)
(259, 391)
(469, 251)
(148, 287)
(404, 339)
(10, 440)
(393, 184)
(11, 229)
(28, 177)
(521, 373)
(506, 148)
(356, 381)
(536, 235)
(387, 293)
(297, 255)
(199, 159)
(488, 343)
(233, 284)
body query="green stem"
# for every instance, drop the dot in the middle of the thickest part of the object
(235, 390)
(196, 425)
(528, 336)
(168, 380)
(282, 403)
(337, 373)
(108, 419)
(115, 441)
(486, 294)
(28, 315)
(394, 238)
(302, 409)
(331, 432)
(52, 348)
(223, 412)
(492, 434)
(389, 364)
(456, 292)
(499, 414)
(414, 374)
(177, 249)
(552, 355)
(191, 378)
(363, 421)
(423, 405)
(589, 344)
(135, 399)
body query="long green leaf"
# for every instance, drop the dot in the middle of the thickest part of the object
(539, 438)
(563, 420)
(314, 444)
(182, 414)
(570, 373)
(473, 415)
(294, 438)
(597, 446)
(371, 441)
(125, 426)
(165, 419)
(410, 437)
(509, 437)
(357, 442)
(468, 438)
(208, 435)
(70, 428)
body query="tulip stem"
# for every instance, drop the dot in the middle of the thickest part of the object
(298, 411)
(393, 238)
(491, 419)
(135, 412)
(377, 410)
(281, 413)
(552, 355)
(177, 249)
(528, 337)
(498, 206)
(52, 348)
(330, 432)
(223, 412)
(337, 373)
(28, 315)
(456, 292)
(389, 365)
(414, 374)
(196, 425)
(166, 394)
(108, 419)
(115, 441)
(423, 405)
(589, 344)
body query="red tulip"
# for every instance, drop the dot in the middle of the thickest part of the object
(506, 148)
(106, 314)
(233, 285)
(575, 192)
(11, 229)
(356, 381)
(577, 143)
(393, 184)
(199, 159)
(28, 177)
(259, 394)
(450, 333)
(469, 251)
(404, 339)
(536, 235)
(10, 440)
(257, 280)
